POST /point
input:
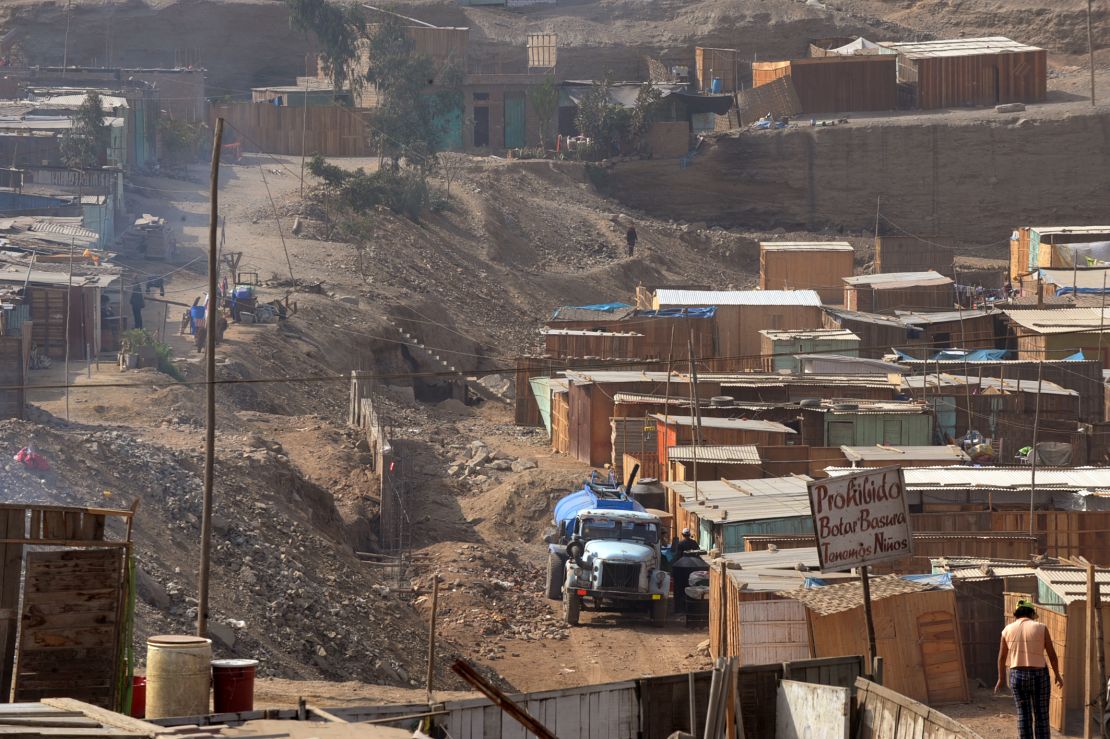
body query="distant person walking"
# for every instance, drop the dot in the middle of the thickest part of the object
(1024, 646)
(630, 238)
(137, 304)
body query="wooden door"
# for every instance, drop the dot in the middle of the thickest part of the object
(69, 639)
(938, 637)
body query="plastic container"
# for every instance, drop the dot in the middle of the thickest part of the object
(138, 696)
(715, 86)
(178, 674)
(233, 685)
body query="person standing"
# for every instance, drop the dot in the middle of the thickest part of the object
(1024, 646)
(630, 238)
(138, 302)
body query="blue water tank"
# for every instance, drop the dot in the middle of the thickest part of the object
(715, 86)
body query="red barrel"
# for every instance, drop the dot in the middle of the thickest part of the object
(233, 685)
(138, 696)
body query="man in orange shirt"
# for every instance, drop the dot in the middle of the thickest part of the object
(1025, 644)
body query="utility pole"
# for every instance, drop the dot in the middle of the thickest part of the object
(210, 387)
(1091, 51)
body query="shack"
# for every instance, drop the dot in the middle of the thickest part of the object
(1060, 333)
(820, 266)
(741, 314)
(901, 253)
(917, 632)
(878, 335)
(717, 70)
(948, 329)
(780, 349)
(952, 73)
(624, 332)
(836, 83)
(740, 462)
(894, 423)
(51, 294)
(759, 625)
(1038, 247)
(892, 291)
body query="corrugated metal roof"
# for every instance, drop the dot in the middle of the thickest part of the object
(993, 383)
(742, 454)
(667, 298)
(1059, 320)
(824, 334)
(805, 246)
(877, 366)
(830, 599)
(919, 318)
(1063, 230)
(793, 484)
(584, 332)
(587, 377)
(999, 478)
(737, 424)
(1070, 583)
(1090, 279)
(957, 47)
(740, 508)
(948, 453)
(777, 559)
(861, 317)
(892, 280)
(866, 407)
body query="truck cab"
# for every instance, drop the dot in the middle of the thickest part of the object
(611, 561)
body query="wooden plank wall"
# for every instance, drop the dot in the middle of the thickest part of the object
(840, 84)
(68, 644)
(772, 631)
(13, 525)
(334, 130)
(885, 714)
(912, 254)
(902, 640)
(983, 79)
(1064, 631)
(823, 271)
(11, 374)
(631, 435)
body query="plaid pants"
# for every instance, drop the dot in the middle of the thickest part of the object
(1031, 688)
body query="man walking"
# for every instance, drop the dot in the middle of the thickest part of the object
(1024, 646)
(630, 238)
(137, 304)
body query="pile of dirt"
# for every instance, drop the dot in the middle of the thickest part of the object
(285, 589)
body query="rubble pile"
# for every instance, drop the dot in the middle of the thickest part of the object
(492, 594)
(476, 463)
(283, 590)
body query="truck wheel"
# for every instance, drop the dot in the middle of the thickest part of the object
(659, 612)
(572, 604)
(556, 574)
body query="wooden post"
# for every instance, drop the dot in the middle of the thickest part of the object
(432, 637)
(693, 704)
(499, 699)
(1089, 687)
(1036, 426)
(695, 413)
(868, 619)
(210, 388)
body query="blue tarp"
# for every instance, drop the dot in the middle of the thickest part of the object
(1077, 357)
(975, 355)
(678, 313)
(599, 308)
(1082, 291)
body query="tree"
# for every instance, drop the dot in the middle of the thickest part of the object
(416, 97)
(451, 164)
(600, 119)
(85, 145)
(641, 117)
(544, 99)
(339, 29)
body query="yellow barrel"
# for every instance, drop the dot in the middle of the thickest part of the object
(178, 673)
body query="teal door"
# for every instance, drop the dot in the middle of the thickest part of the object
(449, 123)
(514, 120)
(945, 409)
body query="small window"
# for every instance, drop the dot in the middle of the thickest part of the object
(481, 96)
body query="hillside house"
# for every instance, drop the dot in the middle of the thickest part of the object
(820, 266)
(890, 291)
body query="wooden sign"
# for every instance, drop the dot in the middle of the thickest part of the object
(860, 518)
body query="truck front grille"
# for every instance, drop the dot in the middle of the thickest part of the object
(620, 576)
